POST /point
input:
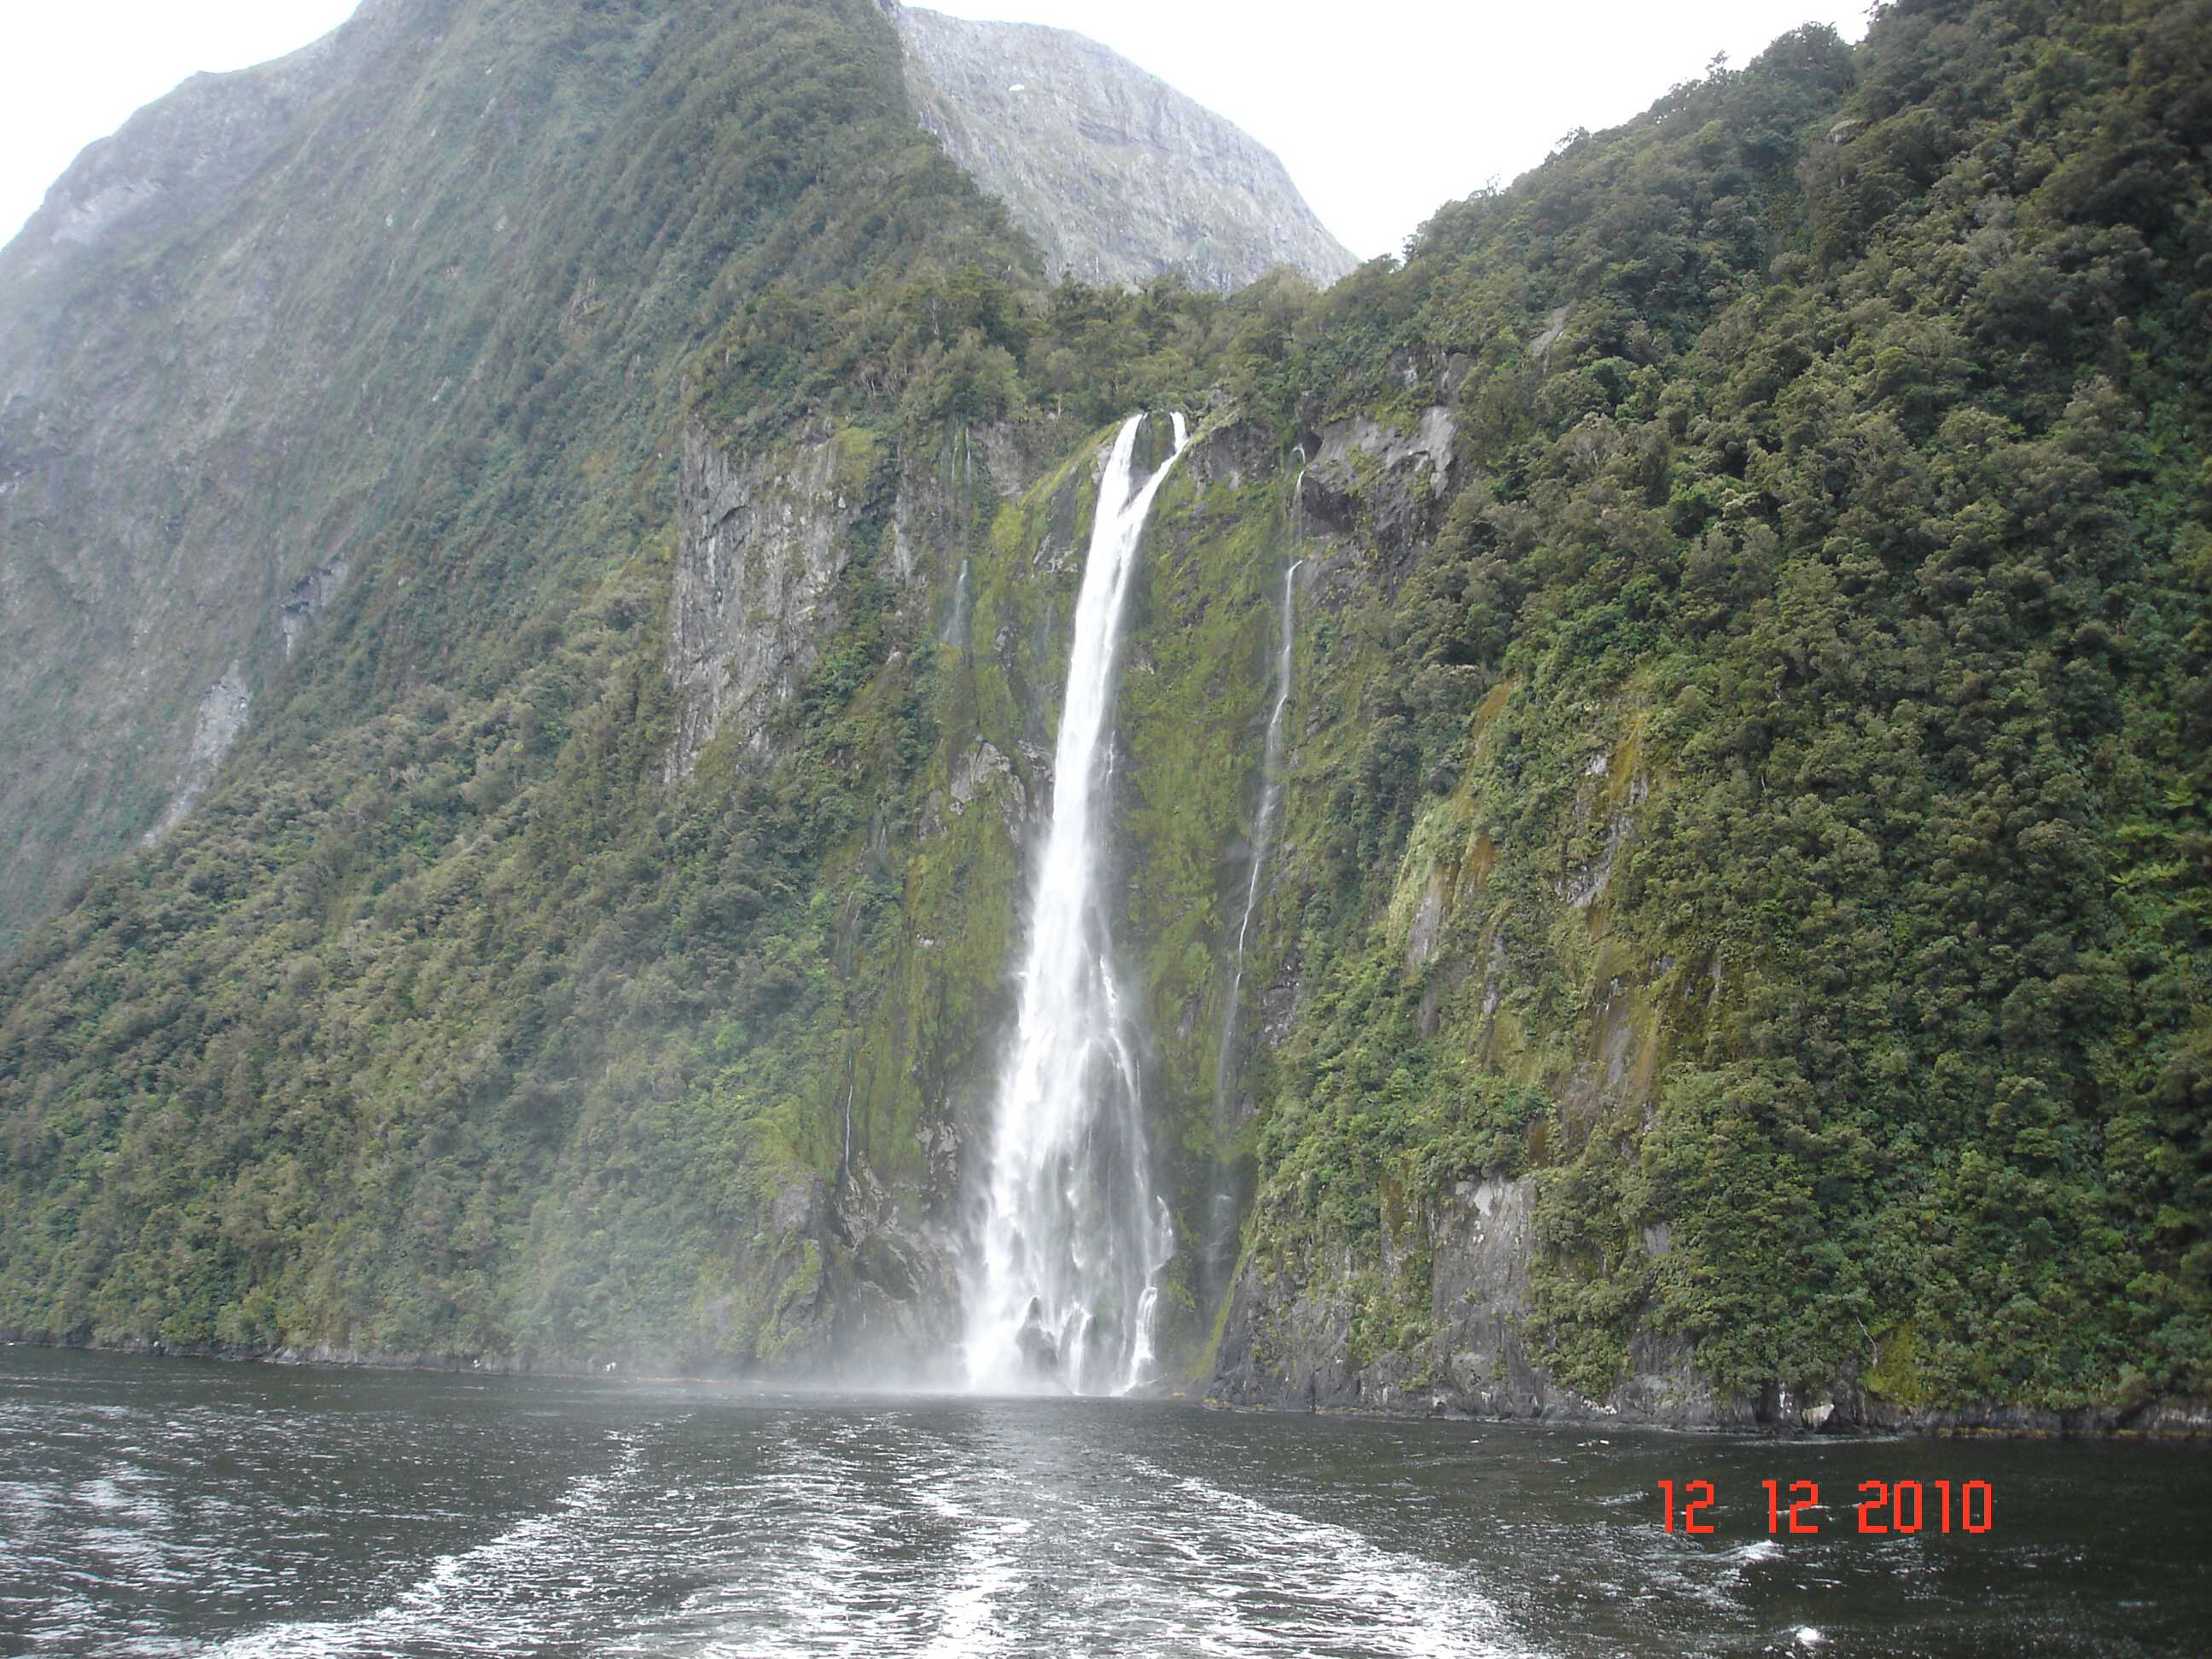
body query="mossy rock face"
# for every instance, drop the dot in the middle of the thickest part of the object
(1197, 690)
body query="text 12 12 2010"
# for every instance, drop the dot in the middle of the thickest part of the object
(1884, 1507)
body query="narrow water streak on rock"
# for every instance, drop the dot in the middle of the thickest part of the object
(1271, 798)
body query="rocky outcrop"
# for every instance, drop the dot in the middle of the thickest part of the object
(308, 598)
(762, 541)
(222, 717)
(1384, 483)
(897, 1303)
(1288, 1343)
(985, 772)
(1116, 175)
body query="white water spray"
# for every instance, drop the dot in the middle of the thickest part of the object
(1064, 1283)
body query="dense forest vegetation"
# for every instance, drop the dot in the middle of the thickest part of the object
(1759, 792)
(1864, 496)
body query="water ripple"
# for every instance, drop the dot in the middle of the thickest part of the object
(153, 1509)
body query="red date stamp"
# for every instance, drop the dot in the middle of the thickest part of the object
(1885, 1507)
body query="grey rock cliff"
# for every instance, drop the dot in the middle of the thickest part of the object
(222, 717)
(1118, 176)
(1287, 1342)
(762, 541)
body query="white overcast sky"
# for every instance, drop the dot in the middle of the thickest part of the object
(1382, 109)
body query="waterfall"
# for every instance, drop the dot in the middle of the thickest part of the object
(1074, 1238)
(1221, 1222)
(1271, 797)
(955, 626)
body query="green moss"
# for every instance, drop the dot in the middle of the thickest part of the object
(1897, 1375)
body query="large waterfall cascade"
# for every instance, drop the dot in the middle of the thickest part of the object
(1073, 1238)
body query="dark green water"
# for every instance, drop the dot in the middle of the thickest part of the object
(174, 1506)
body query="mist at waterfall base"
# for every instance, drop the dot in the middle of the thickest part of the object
(177, 1506)
(1062, 1286)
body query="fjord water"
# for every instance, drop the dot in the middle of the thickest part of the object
(155, 1507)
(1074, 1235)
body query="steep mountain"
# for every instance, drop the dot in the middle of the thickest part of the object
(1700, 682)
(1115, 175)
(368, 237)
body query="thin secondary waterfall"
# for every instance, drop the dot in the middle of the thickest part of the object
(1271, 798)
(1221, 1221)
(1073, 1238)
(955, 626)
